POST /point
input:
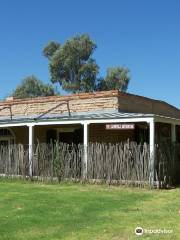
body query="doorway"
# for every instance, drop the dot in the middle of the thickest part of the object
(74, 136)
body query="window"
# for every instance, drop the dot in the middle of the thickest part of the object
(6, 137)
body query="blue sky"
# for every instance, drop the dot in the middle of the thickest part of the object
(141, 35)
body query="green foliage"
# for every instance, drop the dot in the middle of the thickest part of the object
(33, 87)
(71, 64)
(50, 49)
(117, 78)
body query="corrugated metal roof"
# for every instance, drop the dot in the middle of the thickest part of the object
(75, 116)
(109, 116)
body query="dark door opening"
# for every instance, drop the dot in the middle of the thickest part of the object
(75, 137)
(66, 137)
(51, 136)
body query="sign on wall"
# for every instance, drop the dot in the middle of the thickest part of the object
(123, 126)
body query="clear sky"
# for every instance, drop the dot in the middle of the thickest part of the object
(139, 34)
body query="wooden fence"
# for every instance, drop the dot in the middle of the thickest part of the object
(122, 163)
(167, 164)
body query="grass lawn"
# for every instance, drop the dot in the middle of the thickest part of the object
(75, 211)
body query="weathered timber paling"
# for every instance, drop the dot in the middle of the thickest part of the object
(125, 163)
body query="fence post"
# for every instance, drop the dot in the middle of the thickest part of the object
(31, 143)
(85, 142)
(152, 152)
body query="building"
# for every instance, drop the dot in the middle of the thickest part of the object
(107, 116)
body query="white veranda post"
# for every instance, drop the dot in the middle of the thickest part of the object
(31, 144)
(85, 142)
(152, 151)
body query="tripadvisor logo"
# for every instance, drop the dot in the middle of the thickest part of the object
(139, 231)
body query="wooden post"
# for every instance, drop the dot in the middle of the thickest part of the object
(85, 142)
(152, 152)
(31, 144)
(173, 133)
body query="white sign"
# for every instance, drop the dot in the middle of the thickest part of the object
(120, 126)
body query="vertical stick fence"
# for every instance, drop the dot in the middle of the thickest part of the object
(121, 163)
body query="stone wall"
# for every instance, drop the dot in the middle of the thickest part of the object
(60, 104)
(86, 102)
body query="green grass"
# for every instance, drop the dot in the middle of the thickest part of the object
(75, 211)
